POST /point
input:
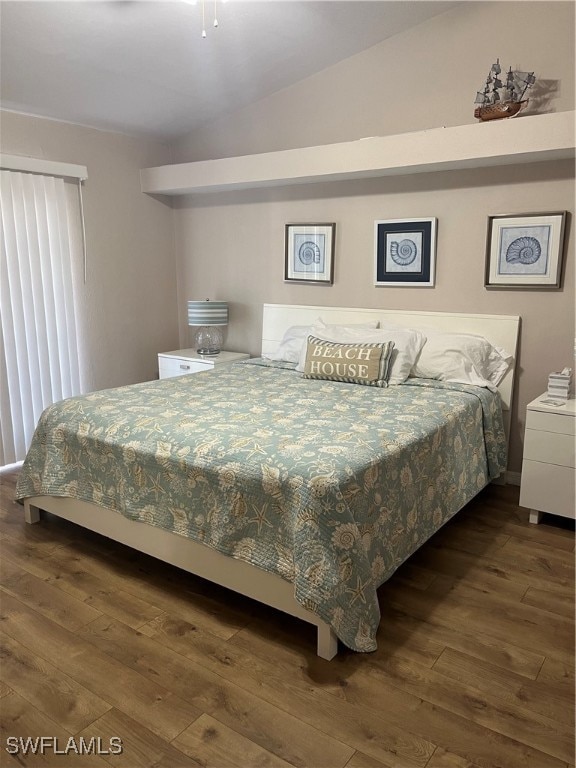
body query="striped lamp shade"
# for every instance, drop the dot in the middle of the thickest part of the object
(207, 313)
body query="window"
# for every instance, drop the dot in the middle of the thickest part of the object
(39, 273)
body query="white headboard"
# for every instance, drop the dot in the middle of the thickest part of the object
(500, 330)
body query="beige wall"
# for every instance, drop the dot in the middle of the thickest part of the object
(423, 78)
(231, 246)
(129, 300)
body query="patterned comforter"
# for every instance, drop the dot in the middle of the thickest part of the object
(330, 485)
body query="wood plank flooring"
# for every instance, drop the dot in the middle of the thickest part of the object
(474, 669)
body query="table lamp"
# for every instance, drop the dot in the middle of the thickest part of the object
(209, 316)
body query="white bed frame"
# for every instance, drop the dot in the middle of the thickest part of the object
(268, 588)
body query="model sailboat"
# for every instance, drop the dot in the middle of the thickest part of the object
(499, 99)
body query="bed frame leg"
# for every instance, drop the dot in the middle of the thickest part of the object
(535, 516)
(31, 513)
(327, 642)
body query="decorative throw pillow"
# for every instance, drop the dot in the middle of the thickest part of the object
(352, 363)
(294, 341)
(407, 344)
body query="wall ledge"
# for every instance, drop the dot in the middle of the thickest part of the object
(526, 139)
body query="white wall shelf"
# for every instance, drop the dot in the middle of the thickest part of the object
(500, 142)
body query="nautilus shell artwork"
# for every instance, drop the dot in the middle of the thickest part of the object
(523, 250)
(403, 252)
(309, 252)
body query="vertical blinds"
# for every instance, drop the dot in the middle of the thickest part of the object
(39, 356)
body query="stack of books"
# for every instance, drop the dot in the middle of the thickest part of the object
(559, 383)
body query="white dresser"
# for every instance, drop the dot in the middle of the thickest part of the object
(183, 361)
(548, 474)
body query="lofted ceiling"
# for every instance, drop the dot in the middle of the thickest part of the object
(142, 67)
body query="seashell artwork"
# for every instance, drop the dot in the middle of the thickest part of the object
(309, 252)
(403, 252)
(523, 250)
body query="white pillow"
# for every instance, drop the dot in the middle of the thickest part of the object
(407, 345)
(291, 344)
(296, 337)
(463, 358)
(335, 326)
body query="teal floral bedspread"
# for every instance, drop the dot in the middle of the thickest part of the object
(330, 485)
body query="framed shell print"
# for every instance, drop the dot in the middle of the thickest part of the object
(309, 253)
(525, 250)
(405, 252)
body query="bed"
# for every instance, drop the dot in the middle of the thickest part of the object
(305, 494)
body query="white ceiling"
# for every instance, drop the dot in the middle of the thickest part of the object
(142, 66)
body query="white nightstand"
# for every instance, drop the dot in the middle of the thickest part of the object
(548, 474)
(183, 361)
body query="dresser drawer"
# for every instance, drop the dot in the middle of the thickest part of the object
(549, 447)
(548, 488)
(173, 366)
(551, 422)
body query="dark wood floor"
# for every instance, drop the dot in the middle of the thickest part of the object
(475, 664)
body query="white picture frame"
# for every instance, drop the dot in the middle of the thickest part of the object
(405, 252)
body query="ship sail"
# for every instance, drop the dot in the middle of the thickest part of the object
(525, 77)
(523, 81)
(513, 90)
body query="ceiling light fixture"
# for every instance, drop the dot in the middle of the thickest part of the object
(215, 24)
